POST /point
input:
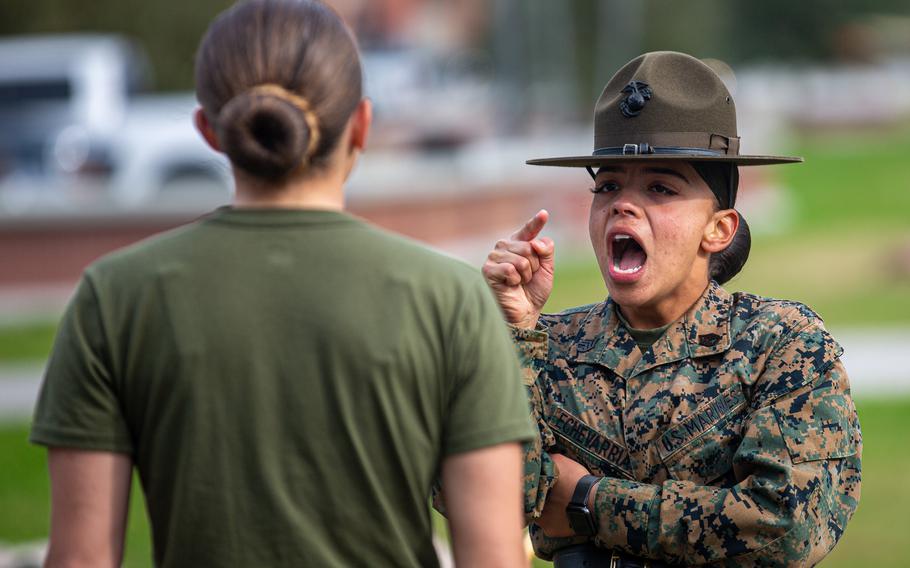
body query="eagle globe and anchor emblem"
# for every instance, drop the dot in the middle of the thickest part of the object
(637, 94)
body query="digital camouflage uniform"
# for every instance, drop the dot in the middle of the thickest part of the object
(732, 441)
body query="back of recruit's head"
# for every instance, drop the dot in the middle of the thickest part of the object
(278, 80)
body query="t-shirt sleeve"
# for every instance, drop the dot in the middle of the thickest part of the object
(78, 405)
(487, 401)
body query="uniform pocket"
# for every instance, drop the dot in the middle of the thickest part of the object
(817, 427)
(701, 447)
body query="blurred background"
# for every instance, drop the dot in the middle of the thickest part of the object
(97, 151)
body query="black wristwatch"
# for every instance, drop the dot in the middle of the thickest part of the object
(581, 519)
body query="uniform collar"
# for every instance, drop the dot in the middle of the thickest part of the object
(703, 330)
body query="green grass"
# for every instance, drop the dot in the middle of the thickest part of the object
(852, 180)
(25, 504)
(29, 342)
(875, 535)
(878, 532)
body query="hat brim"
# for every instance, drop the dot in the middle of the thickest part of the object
(593, 161)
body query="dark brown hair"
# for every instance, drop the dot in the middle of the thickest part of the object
(278, 80)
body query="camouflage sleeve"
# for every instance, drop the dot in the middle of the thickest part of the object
(796, 475)
(539, 471)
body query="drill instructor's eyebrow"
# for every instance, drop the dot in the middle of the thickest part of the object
(668, 172)
(650, 170)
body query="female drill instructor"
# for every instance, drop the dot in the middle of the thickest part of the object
(717, 428)
(287, 380)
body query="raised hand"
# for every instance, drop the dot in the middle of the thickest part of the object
(519, 270)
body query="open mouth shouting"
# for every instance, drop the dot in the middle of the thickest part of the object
(626, 257)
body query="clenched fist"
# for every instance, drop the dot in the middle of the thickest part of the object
(520, 272)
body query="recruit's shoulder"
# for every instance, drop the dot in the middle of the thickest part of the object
(136, 261)
(408, 256)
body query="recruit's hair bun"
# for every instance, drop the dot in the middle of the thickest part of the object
(268, 131)
(726, 264)
(279, 82)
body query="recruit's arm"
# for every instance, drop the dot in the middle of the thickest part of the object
(89, 501)
(482, 494)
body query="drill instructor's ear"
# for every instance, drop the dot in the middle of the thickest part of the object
(206, 129)
(720, 231)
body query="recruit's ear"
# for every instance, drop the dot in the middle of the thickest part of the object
(720, 230)
(206, 129)
(361, 120)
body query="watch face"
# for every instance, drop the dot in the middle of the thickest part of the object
(581, 520)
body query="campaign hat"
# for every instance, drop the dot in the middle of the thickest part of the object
(665, 105)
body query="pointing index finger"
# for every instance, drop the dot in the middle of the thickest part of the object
(532, 228)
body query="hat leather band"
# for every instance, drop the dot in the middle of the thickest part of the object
(669, 143)
(645, 148)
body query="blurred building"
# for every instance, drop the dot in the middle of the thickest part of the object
(445, 25)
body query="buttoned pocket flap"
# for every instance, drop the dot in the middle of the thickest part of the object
(818, 427)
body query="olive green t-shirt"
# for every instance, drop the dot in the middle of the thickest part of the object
(644, 338)
(287, 383)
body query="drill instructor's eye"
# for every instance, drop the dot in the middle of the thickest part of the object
(662, 189)
(605, 187)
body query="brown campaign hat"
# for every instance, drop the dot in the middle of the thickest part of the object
(664, 105)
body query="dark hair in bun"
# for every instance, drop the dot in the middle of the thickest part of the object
(278, 79)
(268, 131)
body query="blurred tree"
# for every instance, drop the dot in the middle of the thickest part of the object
(168, 30)
(798, 31)
(607, 33)
(794, 31)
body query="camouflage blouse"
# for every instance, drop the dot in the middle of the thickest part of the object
(733, 440)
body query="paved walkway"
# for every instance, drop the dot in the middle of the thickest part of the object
(19, 386)
(22, 555)
(878, 361)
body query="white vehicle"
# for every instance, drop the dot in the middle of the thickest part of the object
(74, 132)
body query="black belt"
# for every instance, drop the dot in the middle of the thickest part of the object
(590, 556)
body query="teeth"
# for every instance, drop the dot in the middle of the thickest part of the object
(617, 238)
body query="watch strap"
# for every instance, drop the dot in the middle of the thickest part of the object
(580, 495)
(580, 517)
